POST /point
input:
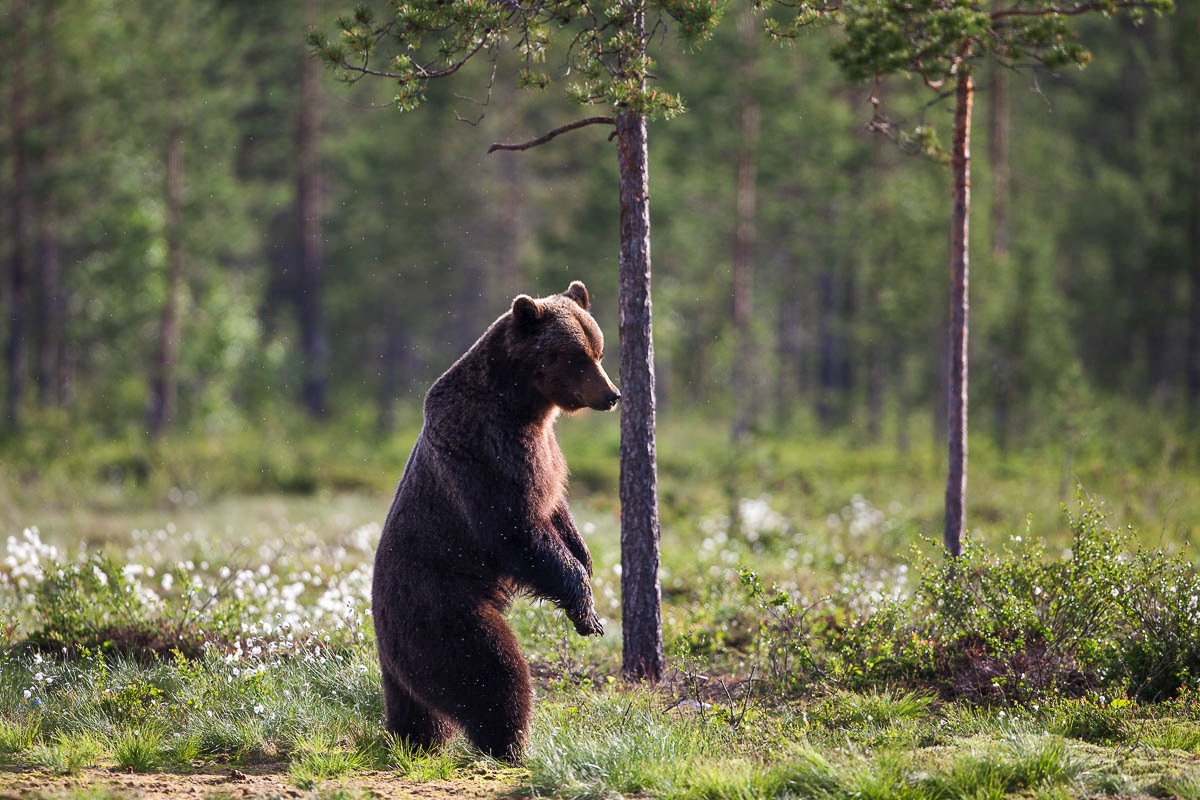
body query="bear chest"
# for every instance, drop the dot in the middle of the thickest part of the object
(546, 483)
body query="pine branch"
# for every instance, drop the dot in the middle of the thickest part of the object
(1065, 11)
(570, 126)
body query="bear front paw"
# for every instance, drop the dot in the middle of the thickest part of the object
(589, 625)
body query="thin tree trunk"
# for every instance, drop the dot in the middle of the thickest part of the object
(641, 594)
(52, 376)
(163, 388)
(51, 256)
(1193, 339)
(788, 350)
(876, 383)
(744, 237)
(22, 222)
(828, 351)
(960, 166)
(51, 362)
(314, 345)
(998, 160)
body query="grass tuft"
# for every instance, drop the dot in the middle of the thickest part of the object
(139, 749)
(67, 754)
(317, 757)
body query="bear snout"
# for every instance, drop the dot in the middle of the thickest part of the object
(612, 398)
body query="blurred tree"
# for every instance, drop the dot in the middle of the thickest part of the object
(745, 233)
(314, 346)
(16, 349)
(940, 44)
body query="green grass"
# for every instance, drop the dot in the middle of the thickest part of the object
(855, 663)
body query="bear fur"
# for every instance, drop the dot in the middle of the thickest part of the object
(481, 514)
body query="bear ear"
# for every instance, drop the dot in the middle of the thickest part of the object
(526, 310)
(579, 293)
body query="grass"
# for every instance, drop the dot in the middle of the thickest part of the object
(814, 639)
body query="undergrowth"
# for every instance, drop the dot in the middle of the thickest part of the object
(1014, 627)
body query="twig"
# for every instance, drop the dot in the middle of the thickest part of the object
(570, 126)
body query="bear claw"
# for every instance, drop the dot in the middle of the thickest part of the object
(590, 626)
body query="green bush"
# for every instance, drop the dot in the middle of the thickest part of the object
(1018, 626)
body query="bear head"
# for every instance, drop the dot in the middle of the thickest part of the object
(561, 345)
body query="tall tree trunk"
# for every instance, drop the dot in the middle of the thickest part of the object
(998, 161)
(789, 353)
(52, 373)
(164, 384)
(1193, 339)
(641, 594)
(22, 217)
(828, 348)
(744, 236)
(51, 361)
(960, 167)
(314, 345)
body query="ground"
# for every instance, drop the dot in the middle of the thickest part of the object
(258, 782)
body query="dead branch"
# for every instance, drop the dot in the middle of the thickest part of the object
(570, 126)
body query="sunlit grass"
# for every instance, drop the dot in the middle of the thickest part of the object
(277, 590)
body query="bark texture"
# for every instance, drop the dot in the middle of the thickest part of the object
(641, 594)
(960, 167)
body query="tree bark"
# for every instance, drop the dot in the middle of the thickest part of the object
(314, 345)
(641, 594)
(163, 386)
(22, 218)
(51, 307)
(744, 237)
(960, 167)
(1193, 338)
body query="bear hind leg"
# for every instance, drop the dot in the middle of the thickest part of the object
(410, 720)
(494, 689)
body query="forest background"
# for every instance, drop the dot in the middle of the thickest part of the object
(211, 240)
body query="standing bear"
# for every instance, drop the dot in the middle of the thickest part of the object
(481, 514)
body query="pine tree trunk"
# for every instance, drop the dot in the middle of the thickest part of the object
(744, 237)
(51, 316)
(22, 222)
(788, 355)
(960, 166)
(314, 345)
(641, 594)
(998, 161)
(52, 374)
(163, 386)
(828, 350)
(1193, 338)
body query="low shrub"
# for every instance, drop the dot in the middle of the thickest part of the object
(1018, 626)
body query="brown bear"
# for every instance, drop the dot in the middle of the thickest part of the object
(481, 514)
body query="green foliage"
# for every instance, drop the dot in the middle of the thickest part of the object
(431, 39)
(934, 39)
